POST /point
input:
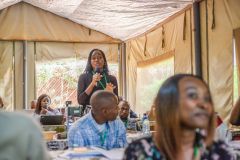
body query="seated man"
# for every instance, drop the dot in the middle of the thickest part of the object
(99, 127)
(20, 138)
(124, 114)
(235, 115)
(132, 114)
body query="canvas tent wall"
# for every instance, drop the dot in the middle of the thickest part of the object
(174, 37)
(48, 37)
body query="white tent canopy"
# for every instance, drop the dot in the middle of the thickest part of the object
(120, 19)
(151, 30)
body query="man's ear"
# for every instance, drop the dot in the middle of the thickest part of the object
(104, 111)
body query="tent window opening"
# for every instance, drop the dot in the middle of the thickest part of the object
(59, 78)
(149, 79)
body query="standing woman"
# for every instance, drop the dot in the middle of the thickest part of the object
(95, 77)
(185, 124)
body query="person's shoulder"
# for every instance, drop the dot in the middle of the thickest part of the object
(221, 149)
(82, 122)
(219, 144)
(16, 117)
(18, 123)
(138, 149)
(141, 144)
(116, 122)
(84, 74)
(143, 140)
(111, 76)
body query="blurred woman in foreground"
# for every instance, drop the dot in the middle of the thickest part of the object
(185, 124)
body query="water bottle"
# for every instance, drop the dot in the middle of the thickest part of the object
(145, 125)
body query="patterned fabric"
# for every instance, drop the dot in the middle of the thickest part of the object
(85, 133)
(145, 149)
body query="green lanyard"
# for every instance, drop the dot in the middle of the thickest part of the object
(126, 123)
(195, 152)
(105, 78)
(103, 137)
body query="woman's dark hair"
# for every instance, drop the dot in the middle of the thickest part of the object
(89, 68)
(166, 104)
(38, 106)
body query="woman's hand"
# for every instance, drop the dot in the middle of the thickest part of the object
(110, 87)
(43, 111)
(96, 77)
(50, 109)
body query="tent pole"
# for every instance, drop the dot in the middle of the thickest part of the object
(35, 56)
(120, 83)
(25, 75)
(197, 39)
(14, 76)
(123, 65)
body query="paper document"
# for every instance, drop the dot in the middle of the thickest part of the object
(89, 153)
(113, 154)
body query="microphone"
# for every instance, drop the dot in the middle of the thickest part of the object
(97, 70)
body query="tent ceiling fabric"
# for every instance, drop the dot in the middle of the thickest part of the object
(121, 19)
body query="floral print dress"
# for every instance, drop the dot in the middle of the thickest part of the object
(145, 149)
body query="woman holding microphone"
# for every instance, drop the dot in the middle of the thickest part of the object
(95, 77)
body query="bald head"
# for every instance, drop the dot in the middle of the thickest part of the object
(103, 99)
(104, 106)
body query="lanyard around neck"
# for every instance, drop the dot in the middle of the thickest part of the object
(195, 152)
(126, 123)
(105, 79)
(103, 137)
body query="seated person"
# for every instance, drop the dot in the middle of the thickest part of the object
(235, 115)
(124, 114)
(185, 124)
(43, 106)
(33, 104)
(100, 127)
(132, 114)
(21, 138)
(1, 103)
